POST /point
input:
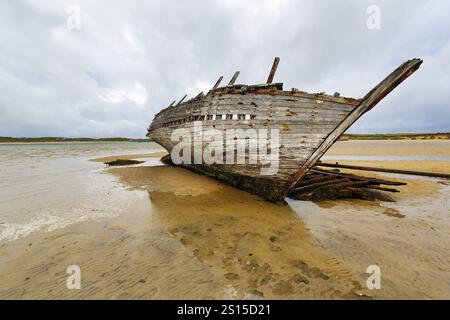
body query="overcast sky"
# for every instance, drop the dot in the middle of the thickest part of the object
(128, 59)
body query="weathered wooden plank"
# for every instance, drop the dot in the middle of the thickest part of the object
(216, 85)
(408, 172)
(182, 99)
(233, 79)
(383, 189)
(273, 70)
(314, 186)
(377, 181)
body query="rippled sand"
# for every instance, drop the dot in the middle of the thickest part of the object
(187, 236)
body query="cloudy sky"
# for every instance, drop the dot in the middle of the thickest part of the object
(125, 60)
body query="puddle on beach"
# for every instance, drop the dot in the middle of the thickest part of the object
(188, 236)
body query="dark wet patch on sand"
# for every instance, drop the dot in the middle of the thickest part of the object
(247, 242)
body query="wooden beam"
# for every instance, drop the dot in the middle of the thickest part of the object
(319, 178)
(409, 172)
(352, 176)
(182, 99)
(273, 70)
(217, 83)
(367, 103)
(199, 95)
(173, 102)
(233, 79)
(382, 189)
(313, 186)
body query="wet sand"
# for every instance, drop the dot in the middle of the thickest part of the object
(194, 240)
(188, 236)
(391, 147)
(130, 157)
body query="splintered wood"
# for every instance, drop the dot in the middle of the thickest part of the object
(319, 185)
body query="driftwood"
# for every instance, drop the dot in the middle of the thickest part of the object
(409, 172)
(383, 189)
(122, 162)
(319, 185)
(375, 180)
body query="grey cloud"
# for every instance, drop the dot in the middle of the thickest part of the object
(87, 82)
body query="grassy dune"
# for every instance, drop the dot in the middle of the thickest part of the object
(382, 136)
(397, 136)
(62, 139)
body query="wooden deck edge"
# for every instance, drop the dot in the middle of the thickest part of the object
(275, 89)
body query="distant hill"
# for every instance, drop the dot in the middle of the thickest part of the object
(396, 136)
(62, 139)
(344, 137)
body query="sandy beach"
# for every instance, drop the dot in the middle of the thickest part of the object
(158, 232)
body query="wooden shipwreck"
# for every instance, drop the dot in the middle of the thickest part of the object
(308, 125)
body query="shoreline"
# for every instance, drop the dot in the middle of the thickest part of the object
(71, 142)
(345, 137)
(149, 141)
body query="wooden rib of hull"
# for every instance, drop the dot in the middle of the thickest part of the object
(308, 124)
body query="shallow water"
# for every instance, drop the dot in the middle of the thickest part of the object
(51, 185)
(160, 232)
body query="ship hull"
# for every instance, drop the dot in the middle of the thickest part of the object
(306, 126)
(302, 122)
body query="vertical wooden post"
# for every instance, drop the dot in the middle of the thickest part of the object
(273, 70)
(233, 79)
(217, 83)
(182, 99)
